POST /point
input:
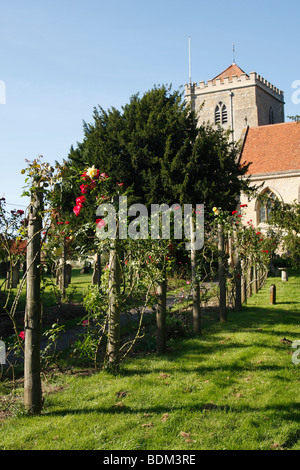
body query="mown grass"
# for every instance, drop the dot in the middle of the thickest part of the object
(234, 387)
(74, 293)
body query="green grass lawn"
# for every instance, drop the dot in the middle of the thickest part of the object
(235, 387)
(74, 293)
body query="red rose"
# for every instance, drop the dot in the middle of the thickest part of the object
(80, 200)
(100, 223)
(83, 188)
(77, 210)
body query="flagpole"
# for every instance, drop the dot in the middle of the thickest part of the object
(190, 66)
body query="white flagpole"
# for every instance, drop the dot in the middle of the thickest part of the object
(190, 66)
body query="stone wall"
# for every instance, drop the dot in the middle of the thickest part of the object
(284, 185)
(248, 99)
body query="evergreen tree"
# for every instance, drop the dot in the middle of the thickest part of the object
(138, 145)
(154, 147)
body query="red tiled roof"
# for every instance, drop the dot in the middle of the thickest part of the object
(272, 148)
(232, 70)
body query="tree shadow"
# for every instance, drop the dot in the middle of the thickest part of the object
(288, 412)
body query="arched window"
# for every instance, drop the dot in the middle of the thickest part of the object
(224, 114)
(221, 114)
(271, 116)
(264, 205)
(217, 115)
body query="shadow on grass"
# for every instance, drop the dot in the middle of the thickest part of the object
(289, 412)
(287, 303)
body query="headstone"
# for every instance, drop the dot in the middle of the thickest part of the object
(15, 276)
(284, 274)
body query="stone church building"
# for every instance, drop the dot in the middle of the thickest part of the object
(253, 109)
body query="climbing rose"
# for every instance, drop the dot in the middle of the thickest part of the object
(80, 200)
(92, 172)
(83, 188)
(22, 335)
(77, 210)
(100, 223)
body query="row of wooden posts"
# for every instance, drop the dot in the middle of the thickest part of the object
(32, 381)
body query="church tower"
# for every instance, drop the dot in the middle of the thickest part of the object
(236, 100)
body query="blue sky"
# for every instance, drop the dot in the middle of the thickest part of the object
(59, 59)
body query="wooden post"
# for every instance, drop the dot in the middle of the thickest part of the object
(222, 277)
(95, 271)
(195, 286)
(236, 261)
(13, 276)
(255, 287)
(96, 277)
(99, 269)
(113, 343)
(238, 284)
(61, 273)
(273, 294)
(161, 316)
(244, 283)
(32, 379)
(68, 269)
(250, 277)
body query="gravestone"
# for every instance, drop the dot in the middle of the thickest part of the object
(284, 274)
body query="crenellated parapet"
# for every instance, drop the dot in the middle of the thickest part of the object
(233, 82)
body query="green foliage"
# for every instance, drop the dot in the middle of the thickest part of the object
(211, 174)
(154, 147)
(286, 219)
(50, 353)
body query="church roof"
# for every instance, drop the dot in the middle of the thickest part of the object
(232, 70)
(273, 148)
